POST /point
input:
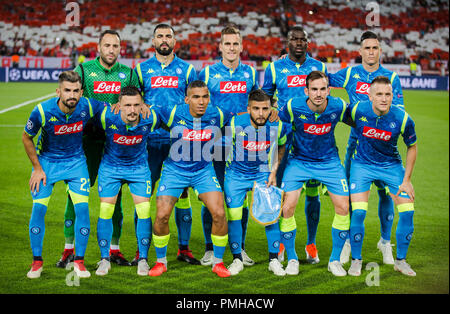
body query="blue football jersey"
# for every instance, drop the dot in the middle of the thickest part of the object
(378, 135)
(61, 134)
(229, 88)
(163, 85)
(287, 79)
(356, 81)
(192, 139)
(126, 145)
(313, 133)
(253, 149)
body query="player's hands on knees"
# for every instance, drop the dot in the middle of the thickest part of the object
(37, 176)
(408, 188)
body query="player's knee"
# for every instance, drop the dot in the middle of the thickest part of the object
(218, 216)
(341, 207)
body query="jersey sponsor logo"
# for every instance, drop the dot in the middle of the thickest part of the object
(235, 87)
(377, 134)
(296, 80)
(197, 135)
(317, 129)
(362, 88)
(255, 146)
(102, 87)
(68, 128)
(165, 82)
(127, 140)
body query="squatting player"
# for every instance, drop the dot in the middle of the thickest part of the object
(59, 156)
(164, 79)
(356, 81)
(229, 82)
(125, 160)
(378, 127)
(194, 126)
(257, 147)
(101, 79)
(286, 78)
(315, 155)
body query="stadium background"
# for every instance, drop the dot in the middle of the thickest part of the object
(36, 44)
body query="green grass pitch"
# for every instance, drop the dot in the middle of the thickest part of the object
(428, 253)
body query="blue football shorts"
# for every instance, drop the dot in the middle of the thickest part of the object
(111, 178)
(73, 172)
(236, 187)
(363, 175)
(175, 179)
(330, 173)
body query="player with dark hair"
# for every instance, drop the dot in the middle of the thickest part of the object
(229, 82)
(284, 79)
(125, 161)
(356, 81)
(257, 147)
(59, 156)
(314, 155)
(163, 80)
(378, 127)
(194, 126)
(101, 78)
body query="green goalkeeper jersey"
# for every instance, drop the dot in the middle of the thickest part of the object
(103, 84)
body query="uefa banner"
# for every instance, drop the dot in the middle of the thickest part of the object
(29, 75)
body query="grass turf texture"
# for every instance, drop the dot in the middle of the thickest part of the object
(428, 253)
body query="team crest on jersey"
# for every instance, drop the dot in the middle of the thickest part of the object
(314, 69)
(179, 71)
(53, 119)
(93, 74)
(122, 75)
(246, 75)
(392, 125)
(212, 122)
(144, 128)
(363, 119)
(333, 116)
(83, 114)
(113, 127)
(285, 70)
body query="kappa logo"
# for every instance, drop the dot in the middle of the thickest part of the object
(93, 74)
(53, 119)
(356, 76)
(182, 122)
(217, 76)
(303, 117)
(242, 133)
(150, 71)
(285, 70)
(363, 119)
(113, 127)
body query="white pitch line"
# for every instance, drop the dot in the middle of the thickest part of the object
(27, 102)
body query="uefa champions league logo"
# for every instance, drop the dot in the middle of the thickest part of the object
(14, 75)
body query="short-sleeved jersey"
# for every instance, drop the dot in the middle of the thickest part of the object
(229, 88)
(253, 149)
(126, 145)
(314, 133)
(378, 135)
(192, 139)
(61, 134)
(105, 84)
(356, 81)
(164, 86)
(287, 78)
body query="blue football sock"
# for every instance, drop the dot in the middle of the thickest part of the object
(235, 236)
(207, 224)
(386, 214)
(183, 220)
(288, 228)
(339, 234)
(104, 234)
(357, 232)
(244, 222)
(312, 213)
(219, 245)
(273, 236)
(404, 232)
(82, 228)
(37, 228)
(143, 233)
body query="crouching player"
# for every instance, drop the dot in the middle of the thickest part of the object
(258, 146)
(59, 156)
(378, 127)
(125, 161)
(194, 127)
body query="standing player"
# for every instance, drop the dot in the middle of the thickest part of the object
(229, 82)
(286, 78)
(315, 155)
(257, 147)
(59, 156)
(378, 127)
(125, 161)
(164, 79)
(193, 128)
(356, 81)
(102, 79)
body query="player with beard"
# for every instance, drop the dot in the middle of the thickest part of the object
(164, 79)
(102, 78)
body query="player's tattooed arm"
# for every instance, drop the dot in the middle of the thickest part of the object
(38, 173)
